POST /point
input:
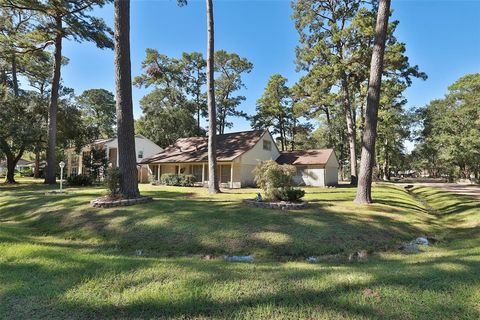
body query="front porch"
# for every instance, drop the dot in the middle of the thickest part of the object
(228, 172)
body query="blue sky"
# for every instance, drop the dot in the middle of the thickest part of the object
(442, 37)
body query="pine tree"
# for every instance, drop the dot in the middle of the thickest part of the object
(364, 190)
(127, 160)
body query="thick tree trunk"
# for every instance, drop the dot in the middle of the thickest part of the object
(364, 190)
(10, 177)
(51, 168)
(352, 141)
(213, 186)
(127, 159)
(11, 164)
(36, 171)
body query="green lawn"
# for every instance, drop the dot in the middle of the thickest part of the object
(59, 258)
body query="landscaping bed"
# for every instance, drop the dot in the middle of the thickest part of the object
(108, 202)
(282, 205)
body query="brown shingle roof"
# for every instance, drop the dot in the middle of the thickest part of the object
(195, 149)
(305, 157)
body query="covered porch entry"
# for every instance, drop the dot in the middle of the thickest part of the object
(228, 172)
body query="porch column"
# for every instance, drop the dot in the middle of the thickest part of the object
(231, 175)
(178, 169)
(203, 174)
(69, 163)
(158, 173)
(80, 163)
(107, 154)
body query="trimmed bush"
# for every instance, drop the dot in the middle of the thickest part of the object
(79, 181)
(112, 181)
(27, 172)
(277, 181)
(182, 180)
(289, 194)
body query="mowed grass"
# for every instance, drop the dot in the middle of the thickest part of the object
(59, 258)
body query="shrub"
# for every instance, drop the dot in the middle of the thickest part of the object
(112, 181)
(172, 179)
(277, 181)
(79, 181)
(290, 194)
(27, 172)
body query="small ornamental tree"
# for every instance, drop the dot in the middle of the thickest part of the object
(96, 162)
(277, 181)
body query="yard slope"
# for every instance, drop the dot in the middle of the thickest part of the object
(60, 259)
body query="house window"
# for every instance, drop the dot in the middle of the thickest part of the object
(267, 145)
(225, 173)
(140, 154)
(197, 172)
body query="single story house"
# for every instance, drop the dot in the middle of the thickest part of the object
(143, 148)
(238, 154)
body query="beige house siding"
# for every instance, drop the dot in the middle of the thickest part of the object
(250, 159)
(310, 175)
(331, 172)
(247, 175)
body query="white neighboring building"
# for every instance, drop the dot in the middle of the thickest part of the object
(317, 167)
(22, 164)
(143, 148)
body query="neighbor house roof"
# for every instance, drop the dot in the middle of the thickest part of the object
(21, 162)
(305, 157)
(195, 149)
(103, 141)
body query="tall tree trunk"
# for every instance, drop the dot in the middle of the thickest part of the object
(198, 120)
(352, 141)
(127, 160)
(294, 129)
(282, 139)
(14, 75)
(362, 118)
(329, 127)
(386, 161)
(212, 111)
(364, 190)
(51, 168)
(36, 171)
